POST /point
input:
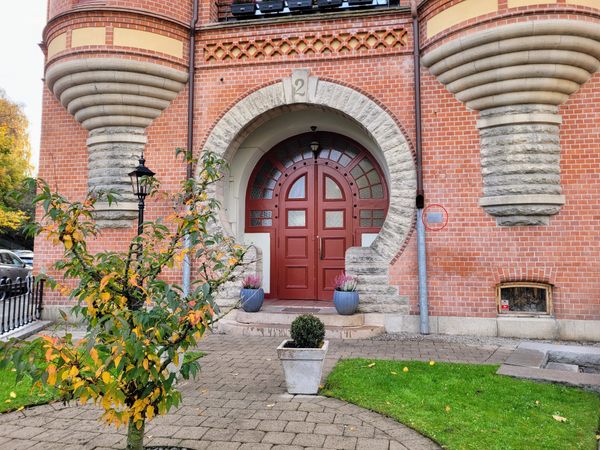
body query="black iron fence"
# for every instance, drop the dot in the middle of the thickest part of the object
(20, 303)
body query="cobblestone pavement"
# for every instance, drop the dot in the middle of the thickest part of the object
(239, 402)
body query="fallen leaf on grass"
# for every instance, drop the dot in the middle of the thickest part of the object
(598, 437)
(13, 395)
(447, 408)
(559, 418)
(431, 363)
(405, 370)
(371, 365)
(21, 408)
(394, 373)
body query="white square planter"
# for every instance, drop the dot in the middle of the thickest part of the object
(302, 367)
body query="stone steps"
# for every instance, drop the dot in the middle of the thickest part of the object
(330, 319)
(283, 330)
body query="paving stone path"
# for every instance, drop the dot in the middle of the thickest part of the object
(239, 402)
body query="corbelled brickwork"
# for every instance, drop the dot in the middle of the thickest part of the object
(516, 75)
(115, 100)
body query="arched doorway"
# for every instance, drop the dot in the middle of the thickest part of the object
(314, 209)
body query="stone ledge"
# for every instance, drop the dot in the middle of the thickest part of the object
(585, 380)
(525, 199)
(511, 119)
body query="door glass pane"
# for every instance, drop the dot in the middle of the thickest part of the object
(332, 190)
(334, 219)
(296, 218)
(373, 177)
(298, 189)
(377, 191)
(365, 164)
(364, 193)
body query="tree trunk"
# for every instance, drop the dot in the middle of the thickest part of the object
(135, 437)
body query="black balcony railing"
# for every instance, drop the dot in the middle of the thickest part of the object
(20, 303)
(237, 10)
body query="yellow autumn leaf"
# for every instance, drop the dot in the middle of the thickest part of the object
(559, 418)
(150, 412)
(74, 371)
(68, 242)
(118, 360)
(394, 373)
(94, 355)
(371, 365)
(105, 280)
(145, 363)
(78, 235)
(105, 296)
(13, 394)
(51, 374)
(20, 408)
(447, 408)
(106, 377)
(405, 370)
(431, 363)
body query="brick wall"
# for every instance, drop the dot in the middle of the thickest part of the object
(468, 258)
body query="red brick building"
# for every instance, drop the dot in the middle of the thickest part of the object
(498, 159)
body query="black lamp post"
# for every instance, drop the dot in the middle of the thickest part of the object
(139, 183)
(314, 145)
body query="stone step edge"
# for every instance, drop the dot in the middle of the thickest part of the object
(277, 330)
(286, 318)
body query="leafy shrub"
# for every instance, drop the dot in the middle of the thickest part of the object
(307, 331)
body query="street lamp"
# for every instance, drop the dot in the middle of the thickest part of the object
(314, 145)
(139, 184)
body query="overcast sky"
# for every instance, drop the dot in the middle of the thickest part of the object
(22, 61)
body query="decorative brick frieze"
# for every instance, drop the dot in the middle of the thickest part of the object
(314, 44)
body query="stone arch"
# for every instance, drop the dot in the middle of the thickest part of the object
(303, 89)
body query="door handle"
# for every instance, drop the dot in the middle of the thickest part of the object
(320, 247)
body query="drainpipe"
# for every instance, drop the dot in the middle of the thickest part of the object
(420, 200)
(187, 263)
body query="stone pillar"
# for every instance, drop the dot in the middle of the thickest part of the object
(112, 153)
(520, 163)
(115, 100)
(516, 76)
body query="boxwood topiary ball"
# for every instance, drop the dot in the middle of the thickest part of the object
(307, 331)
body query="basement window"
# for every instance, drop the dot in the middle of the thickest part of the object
(524, 298)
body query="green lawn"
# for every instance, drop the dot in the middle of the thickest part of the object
(17, 395)
(464, 406)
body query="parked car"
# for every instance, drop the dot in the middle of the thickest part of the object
(25, 255)
(12, 267)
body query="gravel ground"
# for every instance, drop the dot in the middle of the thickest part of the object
(473, 340)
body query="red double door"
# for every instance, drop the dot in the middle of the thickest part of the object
(314, 231)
